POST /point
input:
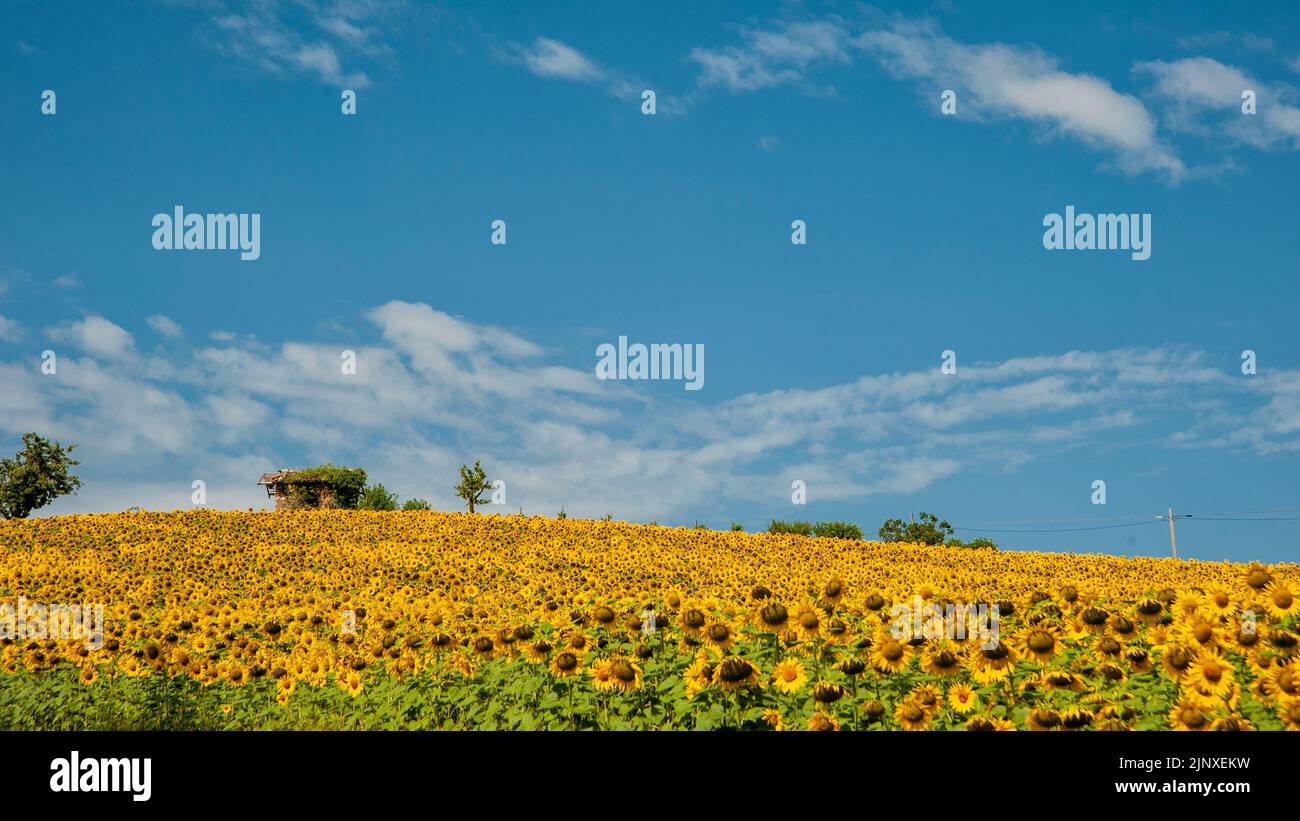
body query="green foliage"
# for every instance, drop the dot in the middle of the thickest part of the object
(796, 527)
(345, 484)
(473, 485)
(377, 497)
(837, 530)
(416, 504)
(35, 476)
(561, 514)
(978, 543)
(927, 530)
(737, 527)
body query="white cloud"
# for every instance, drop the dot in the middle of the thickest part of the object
(765, 59)
(551, 58)
(434, 390)
(165, 326)
(96, 336)
(1000, 81)
(9, 330)
(1205, 98)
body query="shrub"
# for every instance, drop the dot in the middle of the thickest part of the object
(416, 504)
(837, 530)
(798, 528)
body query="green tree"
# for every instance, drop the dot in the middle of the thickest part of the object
(796, 527)
(928, 530)
(473, 485)
(35, 476)
(416, 504)
(377, 497)
(837, 530)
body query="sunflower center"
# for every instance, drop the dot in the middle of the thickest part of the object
(566, 661)
(734, 670)
(774, 615)
(809, 621)
(1041, 641)
(893, 651)
(1283, 599)
(719, 632)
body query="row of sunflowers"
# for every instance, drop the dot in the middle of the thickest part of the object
(422, 619)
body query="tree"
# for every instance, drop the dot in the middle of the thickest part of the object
(929, 530)
(377, 497)
(837, 530)
(35, 476)
(796, 527)
(473, 485)
(416, 504)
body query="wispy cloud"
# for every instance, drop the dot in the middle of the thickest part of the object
(1204, 96)
(998, 81)
(433, 390)
(322, 41)
(555, 60)
(786, 55)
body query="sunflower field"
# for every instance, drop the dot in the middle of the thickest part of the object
(429, 620)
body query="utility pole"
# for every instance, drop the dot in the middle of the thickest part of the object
(1173, 545)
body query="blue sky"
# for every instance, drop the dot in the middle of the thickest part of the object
(924, 235)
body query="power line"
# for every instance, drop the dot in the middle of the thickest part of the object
(1236, 516)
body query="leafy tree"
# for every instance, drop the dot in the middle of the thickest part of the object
(416, 504)
(737, 527)
(796, 527)
(377, 497)
(928, 530)
(837, 530)
(35, 476)
(978, 543)
(473, 485)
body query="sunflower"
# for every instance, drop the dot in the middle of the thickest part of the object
(789, 676)
(962, 699)
(833, 592)
(1290, 715)
(1186, 715)
(773, 717)
(1210, 675)
(691, 620)
(888, 654)
(1232, 724)
(566, 663)
(821, 722)
(734, 673)
(1039, 643)
(719, 636)
(911, 716)
(808, 623)
(771, 617)
(941, 659)
(1220, 602)
(1176, 659)
(1281, 599)
(1043, 718)
(1076, 718)
(624, 674)
(992, 662)
(601, 675)
(89, 674)
(699, 675)
(828, 692)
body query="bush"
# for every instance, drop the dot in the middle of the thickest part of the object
(837, 530)
(416, 504)
(978, 543)
(796, 527)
